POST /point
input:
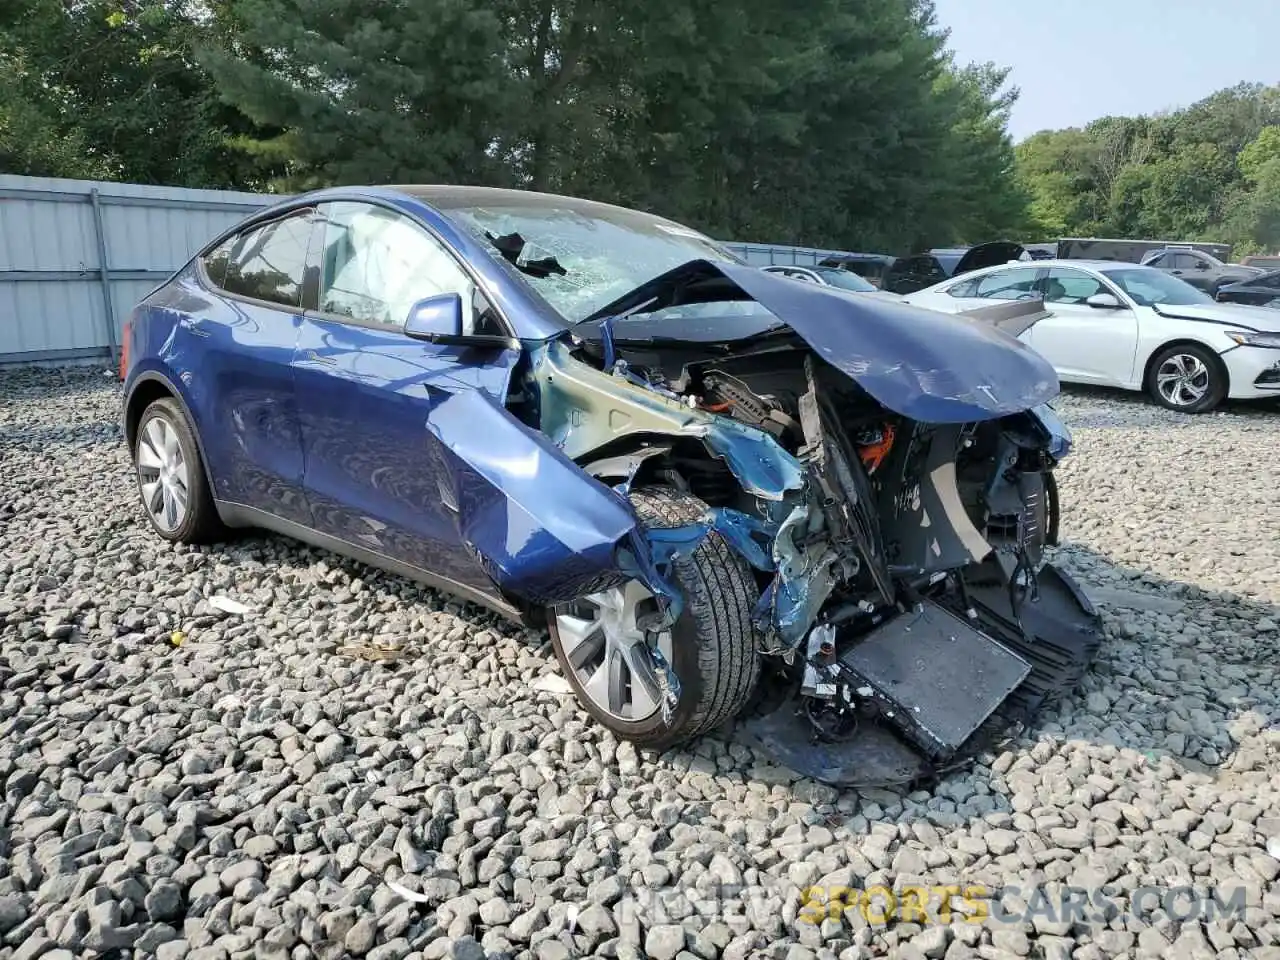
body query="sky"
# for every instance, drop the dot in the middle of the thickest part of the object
(1080, 60)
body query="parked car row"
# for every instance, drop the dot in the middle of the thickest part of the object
(1132, 326)
(1182, 326)
(1137, 327)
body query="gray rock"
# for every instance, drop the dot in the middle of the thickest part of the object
(12, 911)
(164, 901)
(664, 941)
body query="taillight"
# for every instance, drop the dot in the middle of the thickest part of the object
(124, 348)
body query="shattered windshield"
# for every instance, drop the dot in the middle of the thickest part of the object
(579, 261)
(1149, 286)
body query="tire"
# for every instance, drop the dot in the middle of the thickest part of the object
(1189, 357)
(712, 645)
(199, 522)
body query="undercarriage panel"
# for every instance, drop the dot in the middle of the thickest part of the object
(945, 687)
(934, 677)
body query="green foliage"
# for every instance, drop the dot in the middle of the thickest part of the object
(829, 122)
(119, 93)
(1209, 172)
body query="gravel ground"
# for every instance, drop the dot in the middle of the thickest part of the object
(263, 789)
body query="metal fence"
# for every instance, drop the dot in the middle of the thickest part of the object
(77, 255)
(766, 254)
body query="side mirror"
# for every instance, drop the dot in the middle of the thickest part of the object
(1201, 265)
(438, 320)
(1103, 301)
(438, 316)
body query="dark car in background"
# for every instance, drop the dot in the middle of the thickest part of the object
(1262, 262)
(1260, 291)
(891, 274)
(1202, 270)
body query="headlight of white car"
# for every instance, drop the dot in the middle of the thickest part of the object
(1248, 338)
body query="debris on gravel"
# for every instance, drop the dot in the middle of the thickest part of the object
(194, 764)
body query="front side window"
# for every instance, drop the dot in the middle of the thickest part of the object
(1184, 261)
(1016, 284)
(266, 262)
(1071, 286)
(375, 264)
(1147, 287)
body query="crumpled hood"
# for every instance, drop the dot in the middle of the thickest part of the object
(929, 366)
(1227, 315)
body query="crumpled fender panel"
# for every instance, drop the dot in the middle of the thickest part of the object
(926, 365)
(546, 531)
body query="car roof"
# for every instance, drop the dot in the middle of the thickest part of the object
(851, 257)
(1050, 264)
(451, 196)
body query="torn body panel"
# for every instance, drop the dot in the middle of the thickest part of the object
(917, 363)
(543, 529)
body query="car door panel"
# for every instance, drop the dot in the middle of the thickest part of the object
(1086, 344)
(374, 473)
(234, 356)
(408, 449)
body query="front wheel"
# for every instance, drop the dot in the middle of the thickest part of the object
(1188, 378)
(606, 654)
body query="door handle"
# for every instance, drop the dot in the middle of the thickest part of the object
(316, 358)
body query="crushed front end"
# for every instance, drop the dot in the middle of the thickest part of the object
(897, 537)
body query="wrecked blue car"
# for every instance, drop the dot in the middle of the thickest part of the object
(729, 495)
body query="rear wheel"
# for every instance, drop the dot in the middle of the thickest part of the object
(606, 651)
(1187, 377)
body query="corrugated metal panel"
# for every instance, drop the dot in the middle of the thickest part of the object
(53, 301)
(776, 254)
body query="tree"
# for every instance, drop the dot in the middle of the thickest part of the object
(833, 122)
(118, 79)
(1202, 173)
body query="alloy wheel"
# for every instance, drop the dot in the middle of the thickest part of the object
(609, 651)
(1182, 379)
(163, 475)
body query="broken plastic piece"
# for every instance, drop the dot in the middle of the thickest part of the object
(552, 683)
(817, 682)
(408, 894)
(227, 605)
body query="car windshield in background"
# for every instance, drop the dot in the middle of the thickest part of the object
(1149, 286)
(580, 261)
(844, 279)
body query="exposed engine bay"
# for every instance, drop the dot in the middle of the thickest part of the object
(904, 602)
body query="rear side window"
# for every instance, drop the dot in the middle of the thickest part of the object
(1008, 284)
(266, 262)
(216, 260)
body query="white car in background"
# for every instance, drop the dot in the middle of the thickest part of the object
(1124, 325)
